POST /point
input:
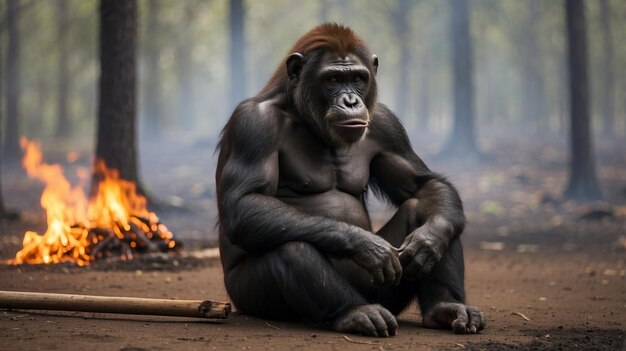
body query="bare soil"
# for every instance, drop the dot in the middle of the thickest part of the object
(548, 273)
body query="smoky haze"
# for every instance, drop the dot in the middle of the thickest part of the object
(188, 82)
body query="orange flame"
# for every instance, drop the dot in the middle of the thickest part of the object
(77, 224)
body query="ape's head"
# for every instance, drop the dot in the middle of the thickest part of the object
(332, 85)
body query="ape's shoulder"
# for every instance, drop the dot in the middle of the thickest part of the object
(254, 125)
(386, 127)
(266, 118)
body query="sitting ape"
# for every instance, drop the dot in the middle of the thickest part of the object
(294, 167)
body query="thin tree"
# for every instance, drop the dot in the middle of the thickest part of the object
(63, 127)
(237, 53)
(402, 32)
(185, 68)
(152, 93)
(116, 135)
(324, 10)
(462, 142)
(424, 88)
(12, 150)
(583, 183)
(533, 85)
(4, 213)
(608, 109)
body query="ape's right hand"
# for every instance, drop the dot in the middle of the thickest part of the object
(378, 257)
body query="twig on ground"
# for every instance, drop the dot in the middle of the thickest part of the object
(359, 341)
(521, 315)
(271, 326)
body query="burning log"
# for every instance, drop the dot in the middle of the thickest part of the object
(111, 304)
(102, 245)
(142, 238)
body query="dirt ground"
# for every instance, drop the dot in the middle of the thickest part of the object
(549, 274)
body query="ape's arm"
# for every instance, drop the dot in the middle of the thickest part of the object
(399, 174)
(255, 220)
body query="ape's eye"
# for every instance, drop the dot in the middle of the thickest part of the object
(357, 79)
(332, 79)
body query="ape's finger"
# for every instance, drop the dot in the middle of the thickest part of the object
(390, 274)
(392, 323)
(408, 240)
(364, 325)
(460, 323)
(416, 267)
(406, 256)
(483, 322)
(474, 319)
(397, 269)
(378, 276)
(379, 323)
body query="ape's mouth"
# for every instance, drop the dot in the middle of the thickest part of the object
(352, 123)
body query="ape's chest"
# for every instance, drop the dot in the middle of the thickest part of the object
(304, 169)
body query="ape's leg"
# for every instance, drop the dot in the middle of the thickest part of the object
(403, 222)
(441, 295)
(296, 282)
(441, 292)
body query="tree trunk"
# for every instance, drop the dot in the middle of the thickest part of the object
(401, 27)
(462, 143)
(608, 112)
(583, 184)
(2, 208)
(533, 87)
(152, 98)
(237, 43)
(324, 11)
(4, 214)
(63, 127)
(12, 150)
(423, 102)
(185, 69)
(116, 143)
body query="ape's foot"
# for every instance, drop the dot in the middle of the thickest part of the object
(371, 320)
(463, 319)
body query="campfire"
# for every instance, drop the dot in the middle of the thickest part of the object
(113, 222)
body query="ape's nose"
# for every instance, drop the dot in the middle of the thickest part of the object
(351, 101)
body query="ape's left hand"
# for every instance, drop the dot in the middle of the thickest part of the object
(419, 253)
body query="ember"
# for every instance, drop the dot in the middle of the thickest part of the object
(115, 221)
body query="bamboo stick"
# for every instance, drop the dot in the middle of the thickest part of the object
(113, 304)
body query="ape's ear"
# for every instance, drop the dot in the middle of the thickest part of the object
(295, 62)
(375, 63)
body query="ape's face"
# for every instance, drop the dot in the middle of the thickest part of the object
(335, 94)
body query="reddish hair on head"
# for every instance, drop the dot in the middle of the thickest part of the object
(330, 37)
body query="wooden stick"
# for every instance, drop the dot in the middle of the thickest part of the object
(111, 304)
